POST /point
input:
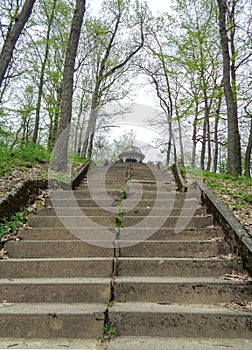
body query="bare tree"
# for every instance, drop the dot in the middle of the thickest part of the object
(108, 68)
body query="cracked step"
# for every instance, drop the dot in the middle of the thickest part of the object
(78, 248)
(143, 203)
(97, 211)
(85, 194)
(109, 221)
(58, 233)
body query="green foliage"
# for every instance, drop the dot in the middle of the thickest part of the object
(78, 159)
(21, 157)
(238, 188)
(9, 226)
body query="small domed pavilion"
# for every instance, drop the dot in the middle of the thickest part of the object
(131, 154)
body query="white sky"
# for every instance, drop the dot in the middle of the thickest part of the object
(156, 6)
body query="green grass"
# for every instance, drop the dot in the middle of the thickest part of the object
(25, 156)
(239, 189)
(21, 157)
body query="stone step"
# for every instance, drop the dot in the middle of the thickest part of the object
(91, 233)
(57, 249)
(143, 203)
(172, 249)
(114, 194)
(52, 320)
(126, 343)
(97, 211)
(145, 186)
(55, 343)
(154, 320)
(102, 267)
(167, 290)
(78, 248)
(178, 267)
(179, 343)
(56, 268)
(109, 221)
(55, 290)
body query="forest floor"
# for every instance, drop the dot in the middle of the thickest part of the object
(235, 193)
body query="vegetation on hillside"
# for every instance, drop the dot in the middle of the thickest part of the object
(235, 192)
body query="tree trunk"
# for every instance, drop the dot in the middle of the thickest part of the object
(87, 147)
(181, 146)
(209, 148)
(59, 161)
(42, 74)
(247, 171)
(12, 37)
(203, 147)
(216, 132)
(234, 147)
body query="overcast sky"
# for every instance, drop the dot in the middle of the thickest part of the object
(155, 5)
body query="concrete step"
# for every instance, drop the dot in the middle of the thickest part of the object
(178, 267)
(109, 221)
(150, 319)
(78, 248)
(126, 343)
(55, 290)
(137, 185)
(115, 194)
(52, 320)
(91, 233)
(56, 267)
(82, 194)
(102, 267)
(97, 211)
(143, 203)
(172, 249)
(57, 249)
(179, 343)
(170, 290)
(49, 344)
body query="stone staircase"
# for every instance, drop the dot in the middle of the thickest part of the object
(150, 266)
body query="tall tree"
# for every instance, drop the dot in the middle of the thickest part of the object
(114, 56)
(159, 70)
(234, 146)
(12, 37)
(50, 16)
(247, 165)
(59, 160)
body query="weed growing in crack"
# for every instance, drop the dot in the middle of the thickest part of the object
(108, 332)
(110, 303)
(119, 220)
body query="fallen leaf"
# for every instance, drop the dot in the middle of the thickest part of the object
(234, 276)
